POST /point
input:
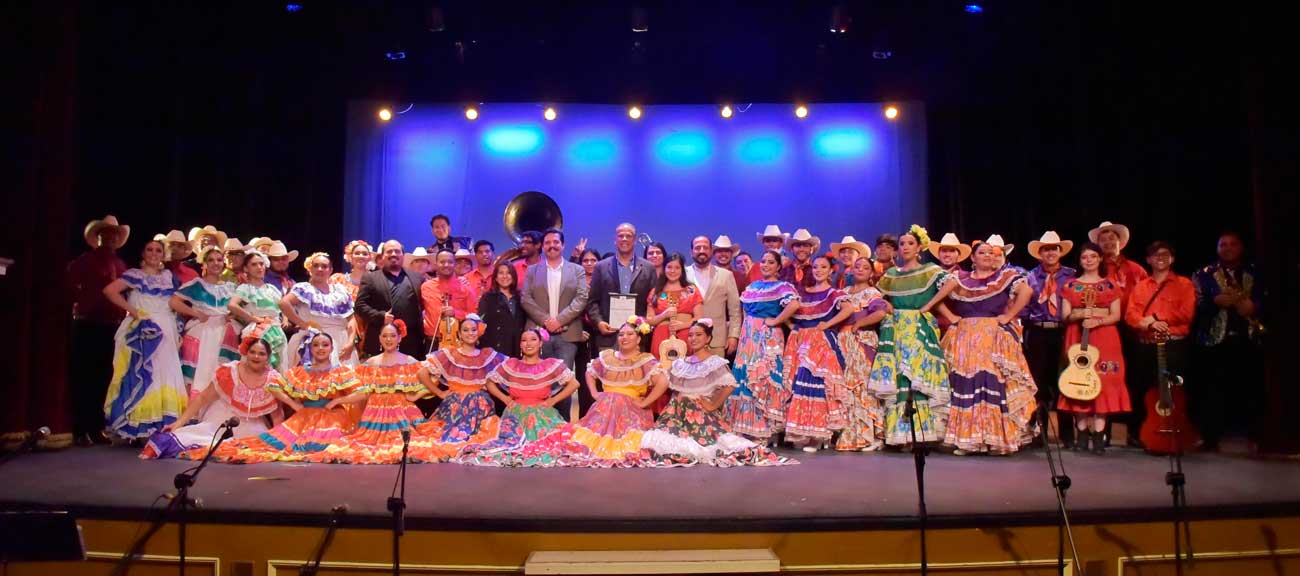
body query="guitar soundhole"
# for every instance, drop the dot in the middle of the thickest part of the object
(1081, 362)
(673, 355)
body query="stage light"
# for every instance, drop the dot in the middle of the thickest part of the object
(840, 19)
(726, 111)
(385, 114)
(801, 111)
(974, 9)
(634, 112)
(891, 112)
(395, 55)
(471, 113)
(640, 20)
(293, 7)
(549, 114)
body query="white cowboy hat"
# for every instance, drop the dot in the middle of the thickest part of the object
(278, 249)
(197, 233)
(850, 242)
(772, 231)
(1050, 238)
(418, 254)
(950, 240)
(996, 240)
(233, 245)
(802, 235)
(91, 233)
(462, 253)
(173, 236)
(724, 243)
(1119, 229)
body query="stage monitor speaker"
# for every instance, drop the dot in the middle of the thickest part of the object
(40, 537)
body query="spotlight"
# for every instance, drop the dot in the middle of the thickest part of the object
(891, 112)
(801, 111)
(395, 55)
(634, 112)
(471, 113)
(840, 19)
(726, 111)
(385, 114)
(640, 21)
(293, 7)
(974, 9)
(549, 114)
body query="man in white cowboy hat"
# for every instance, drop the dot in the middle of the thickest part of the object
(772, 238)
(950, 252)
(464, 261)
(1125, 273)
(721, 298)
(280, 257)
(390, 293)
(802, 244)
(724, 253)
(203, 237)
(261, 244)
(235, 252)
(94, 323)
(847, 251)
(418, 262)
(1044, 325)
(179, 249)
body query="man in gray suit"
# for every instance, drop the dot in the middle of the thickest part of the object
(721, 298)
(622, 275)
(554, 296)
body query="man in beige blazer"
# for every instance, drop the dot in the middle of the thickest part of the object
(721, 298)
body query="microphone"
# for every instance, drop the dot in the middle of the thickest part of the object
(406, 436)
(232, 422)
(339, 510)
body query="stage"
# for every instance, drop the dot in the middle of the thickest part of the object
(833, 512)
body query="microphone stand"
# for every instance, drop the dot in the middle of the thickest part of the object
(918, 454)
(185, 480)
(1177, 482)
(1061, 483)
(312, 568)
(397, 505)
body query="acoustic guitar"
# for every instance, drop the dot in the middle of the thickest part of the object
(1079, 380)
(1167, 430)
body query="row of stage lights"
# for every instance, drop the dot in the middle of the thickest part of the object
(634, 112)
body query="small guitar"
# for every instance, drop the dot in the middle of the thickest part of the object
(1167, 429)
(1079, 380)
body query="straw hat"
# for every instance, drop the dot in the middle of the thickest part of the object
(197, 233)
(864, 251)
(950, 240)
(278, 249)
(173, 236)
(92, 230)
(772, 231)
(463, 254)
(1119, 229)
(724, 243)
(418, 254)
(996, 240)
(1050, 238)
(802, 235)
(233, 245)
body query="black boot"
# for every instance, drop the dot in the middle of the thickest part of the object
(1098, 443)
(1081, 441)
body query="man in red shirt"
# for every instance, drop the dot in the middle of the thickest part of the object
(445, 296)
(94, 321)
(1160, 308)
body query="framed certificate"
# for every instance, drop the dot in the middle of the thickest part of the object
(621, 307)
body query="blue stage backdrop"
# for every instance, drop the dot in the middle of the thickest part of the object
(679, 171)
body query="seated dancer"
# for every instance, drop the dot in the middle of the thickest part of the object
(308, 389)
(814, 363)
(239, 390)
(610, 434)
(466, 415)
(388, 385)
(691, 430)
(992, 387)
(524, 385)
(864, 418)
(757, 407)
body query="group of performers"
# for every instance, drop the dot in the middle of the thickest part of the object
(720, 361)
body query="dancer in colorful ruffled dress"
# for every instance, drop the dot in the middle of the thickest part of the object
(209, 340)
(864, 418)
(992, 390)
(256, 306)
(814, 363)
(610, 434)
(238, 390)
(389, 384)
(757, 407)
(308, 390)
(327, 307)
(147, 391)
(466, 415)
(691, 430)
(524, 385)
(909, 360)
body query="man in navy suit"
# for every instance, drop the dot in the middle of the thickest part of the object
(623, 274)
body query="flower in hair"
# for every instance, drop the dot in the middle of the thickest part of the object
(306, 264)
(543, 335)
(401, 328)
(704, 321)
(922, 236)
(640, 324)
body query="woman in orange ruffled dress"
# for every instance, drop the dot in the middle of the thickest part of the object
(308, 389)
(466, 415)
(389, 384)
